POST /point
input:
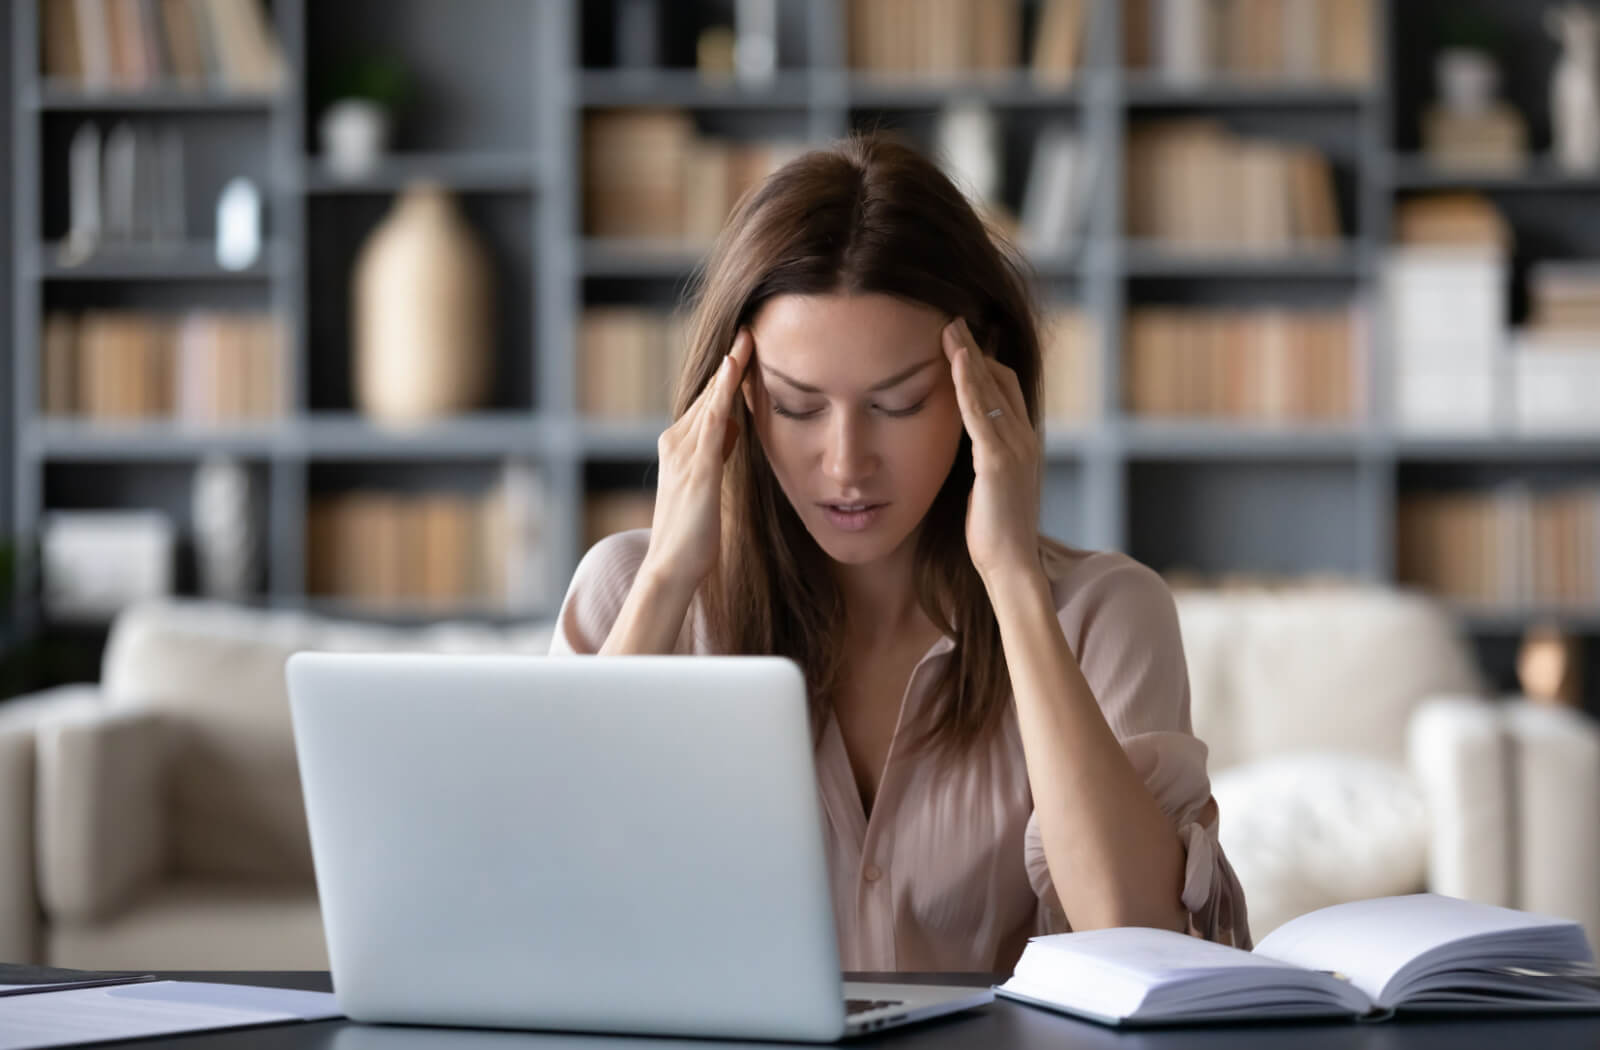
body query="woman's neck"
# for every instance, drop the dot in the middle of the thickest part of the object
(880, 602)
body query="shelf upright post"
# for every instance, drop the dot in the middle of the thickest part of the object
(1375, 177)
(829, 111)
(26, 464)
(286, 525)
(558, 165)
(1103, 487)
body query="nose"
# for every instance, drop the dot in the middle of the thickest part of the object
(848, 458)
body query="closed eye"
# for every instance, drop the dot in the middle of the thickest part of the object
(902, 412)
(786, 414)
(897, 413)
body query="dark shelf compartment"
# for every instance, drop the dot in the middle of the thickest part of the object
(485, 171)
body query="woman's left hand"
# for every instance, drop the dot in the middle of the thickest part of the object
(1003, 511)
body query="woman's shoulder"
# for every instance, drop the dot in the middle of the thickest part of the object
(620, 548)
(607, 569)
(1083, 579)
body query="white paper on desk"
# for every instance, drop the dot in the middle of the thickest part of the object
(133, 1011)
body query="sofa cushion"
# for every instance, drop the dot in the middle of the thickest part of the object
(236, 809)
(1306, 831)
(1323, 668)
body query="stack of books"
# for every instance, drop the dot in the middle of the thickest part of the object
(1555, 360)
(649, 174)
(615, 510)
(1071, 343)
(628, 361)
(949, 38)
(1056, 195)
(1192, 41)
(933, 37)
(433, 551)
(1268, 365)
(1193, 185)
(128, 45)
(1508, 548)
(202, 368)
(1445, 293)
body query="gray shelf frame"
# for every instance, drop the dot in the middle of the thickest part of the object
(1088, 467)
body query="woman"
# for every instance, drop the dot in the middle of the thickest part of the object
(1001, 722)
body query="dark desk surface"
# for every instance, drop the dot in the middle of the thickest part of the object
(1002, 1025)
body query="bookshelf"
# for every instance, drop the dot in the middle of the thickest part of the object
(505, 89)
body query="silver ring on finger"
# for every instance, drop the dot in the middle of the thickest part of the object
(995, 413)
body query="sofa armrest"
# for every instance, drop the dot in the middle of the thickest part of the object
(1556, 771)
(1457, 751)
(101, 825)
(19, 900)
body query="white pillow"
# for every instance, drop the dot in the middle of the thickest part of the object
(1308, 830)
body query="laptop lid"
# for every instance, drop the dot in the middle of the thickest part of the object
(628, 844)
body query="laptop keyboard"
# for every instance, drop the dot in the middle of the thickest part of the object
(861, 1006)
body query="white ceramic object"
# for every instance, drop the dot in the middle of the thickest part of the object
(1467, 80)
(1575, 88)
(355, 136)
(238, 225)
(226, 535)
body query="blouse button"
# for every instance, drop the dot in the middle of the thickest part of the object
(873, 873)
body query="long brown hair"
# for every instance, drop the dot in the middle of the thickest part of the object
(869, 214)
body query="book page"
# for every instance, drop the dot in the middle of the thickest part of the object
(1151, 957)
(1144, 974)
(65, 1018)
(1370, 941)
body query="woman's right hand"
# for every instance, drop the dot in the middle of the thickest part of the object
(686, 527)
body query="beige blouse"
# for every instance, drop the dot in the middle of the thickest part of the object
(948, 873)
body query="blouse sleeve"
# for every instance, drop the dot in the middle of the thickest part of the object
(1123, 625)
(594, 597)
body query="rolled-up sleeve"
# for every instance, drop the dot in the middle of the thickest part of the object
(1122, 624)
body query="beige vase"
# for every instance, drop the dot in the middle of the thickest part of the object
(422, 313)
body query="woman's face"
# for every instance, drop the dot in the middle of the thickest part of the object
(855, 408)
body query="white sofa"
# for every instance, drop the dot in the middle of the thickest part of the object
(1354, 753)
(155, 820)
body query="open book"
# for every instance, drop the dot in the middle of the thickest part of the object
(1366, 959)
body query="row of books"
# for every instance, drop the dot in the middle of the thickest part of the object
(1459, 366)
(134, 44)
(947, 37)
(613, 511)
(1070, 340)
(649, 173)
(1510, 547)
(628, 361)
(433, 550)
(1564, 296)
(1276, 365)
(1056, 196)
(1552, 378)
(1192, 41)
(201, 367)
(1194, 184)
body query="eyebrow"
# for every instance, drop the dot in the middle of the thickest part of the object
(894, 380)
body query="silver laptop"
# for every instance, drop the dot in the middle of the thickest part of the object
(629, 844)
